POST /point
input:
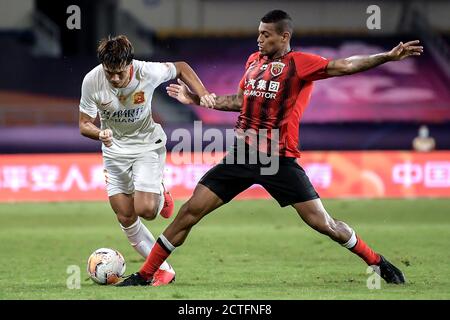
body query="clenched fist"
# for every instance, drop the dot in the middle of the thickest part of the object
(105, 136)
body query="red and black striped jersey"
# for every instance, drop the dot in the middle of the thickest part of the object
(276, 93)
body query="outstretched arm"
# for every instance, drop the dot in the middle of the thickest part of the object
(354, 64)
(183, 94)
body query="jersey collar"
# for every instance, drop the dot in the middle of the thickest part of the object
(276, 59)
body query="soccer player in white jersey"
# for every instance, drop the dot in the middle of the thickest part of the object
(120, 91)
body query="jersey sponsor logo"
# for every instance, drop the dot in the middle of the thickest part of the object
(257, 93)
(277, 68)
(139, 97)
(261, 88)
(127, 115)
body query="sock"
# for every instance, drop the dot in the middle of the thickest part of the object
(141, 240)
(160, 251)
(351, 242)
(359, 247)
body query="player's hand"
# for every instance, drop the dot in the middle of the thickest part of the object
(105, 136)
(180, 92)
(404, 50)
(208, 100)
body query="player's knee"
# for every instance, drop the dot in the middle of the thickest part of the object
(126, 220)
(147, 212)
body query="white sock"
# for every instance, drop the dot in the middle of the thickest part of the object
(351, 242)
(167, 243)
(141, 240)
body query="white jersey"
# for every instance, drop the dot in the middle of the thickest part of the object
(127, 111)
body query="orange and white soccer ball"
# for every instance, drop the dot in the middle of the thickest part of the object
(106, 266)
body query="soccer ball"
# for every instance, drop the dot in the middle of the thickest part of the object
(106, 266)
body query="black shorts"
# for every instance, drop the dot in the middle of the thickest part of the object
(289, 185)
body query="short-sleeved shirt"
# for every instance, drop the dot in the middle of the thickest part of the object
(276, 93)
(127, 111)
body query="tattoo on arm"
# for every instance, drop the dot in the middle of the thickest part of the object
(362, 63)
(355, 64)
(228, 103)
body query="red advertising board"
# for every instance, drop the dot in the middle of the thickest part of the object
(78, 177)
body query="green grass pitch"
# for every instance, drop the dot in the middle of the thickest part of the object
(244, 250)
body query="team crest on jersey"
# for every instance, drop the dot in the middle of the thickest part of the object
(277, 68)
(139, 97)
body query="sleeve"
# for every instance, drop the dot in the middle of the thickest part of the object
(87, 102)
(250, 59)
(160, 71)
(311, 67)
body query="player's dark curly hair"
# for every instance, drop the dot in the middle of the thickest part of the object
(116, 52)
(282, 20)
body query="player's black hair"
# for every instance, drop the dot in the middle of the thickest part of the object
(281, 19)
(116, 52)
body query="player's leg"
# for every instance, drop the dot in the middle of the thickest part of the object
(315, 215)
(123, 206)
(218, 186)
(151, 198)
(140, 238)
(137, 233)
(291, 186)
(119, 184)
(147, 204)
(202, 202)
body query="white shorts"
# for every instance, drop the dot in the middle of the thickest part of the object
(129, 173)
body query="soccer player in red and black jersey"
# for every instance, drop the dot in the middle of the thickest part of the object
(271, 98)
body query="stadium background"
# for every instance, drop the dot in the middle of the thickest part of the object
(356, 135)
